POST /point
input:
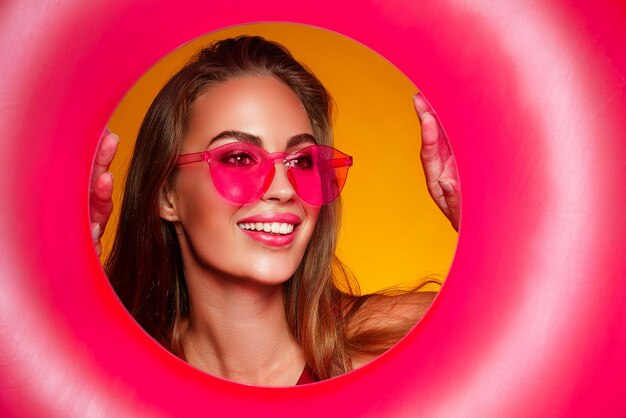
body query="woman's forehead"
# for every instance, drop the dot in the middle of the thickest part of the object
(262, 107)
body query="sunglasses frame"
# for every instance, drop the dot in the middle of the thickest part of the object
(283, 157)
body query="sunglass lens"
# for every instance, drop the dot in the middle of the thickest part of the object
(239, 171)
(321, 179)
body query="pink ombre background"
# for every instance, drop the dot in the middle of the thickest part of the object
(532, 319)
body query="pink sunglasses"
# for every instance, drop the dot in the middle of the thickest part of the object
(242, 172)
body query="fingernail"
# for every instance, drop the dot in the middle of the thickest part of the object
(115, 138)
(446, 187)
(95, 231)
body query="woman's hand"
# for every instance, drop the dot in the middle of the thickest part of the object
(101, 187)
(438, 161)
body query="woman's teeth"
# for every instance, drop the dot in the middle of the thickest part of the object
(273, 227)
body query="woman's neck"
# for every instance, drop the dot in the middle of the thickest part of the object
(237, 330)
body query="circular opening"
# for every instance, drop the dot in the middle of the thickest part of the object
(393, 238)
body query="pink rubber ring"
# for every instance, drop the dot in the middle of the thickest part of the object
(532, 319)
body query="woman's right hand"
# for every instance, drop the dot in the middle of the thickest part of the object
(442, 177)
(101, 187)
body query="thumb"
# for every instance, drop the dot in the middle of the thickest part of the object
(452, 195)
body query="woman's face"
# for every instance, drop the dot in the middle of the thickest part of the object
(213, 232)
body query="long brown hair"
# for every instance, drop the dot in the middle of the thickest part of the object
(145, 265)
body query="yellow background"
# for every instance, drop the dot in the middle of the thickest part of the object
(392, 233)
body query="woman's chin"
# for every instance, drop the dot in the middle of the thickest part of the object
(271, 269)
(276, 276)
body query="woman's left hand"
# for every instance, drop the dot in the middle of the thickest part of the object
(442, 177)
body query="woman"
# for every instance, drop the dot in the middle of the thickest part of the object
(232, 268)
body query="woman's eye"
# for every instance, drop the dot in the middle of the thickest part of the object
(301, 162)
(238, 158)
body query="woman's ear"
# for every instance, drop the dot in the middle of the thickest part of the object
(167, 206)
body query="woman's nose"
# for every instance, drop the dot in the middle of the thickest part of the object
(280, 187)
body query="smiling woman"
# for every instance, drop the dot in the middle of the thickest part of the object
(232, 266)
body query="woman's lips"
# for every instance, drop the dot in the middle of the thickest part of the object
(270, 217)
(271, 239)
(273, 229)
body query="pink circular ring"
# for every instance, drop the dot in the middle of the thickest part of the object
(532, 319)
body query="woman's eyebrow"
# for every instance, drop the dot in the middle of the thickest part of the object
(239, 136)
(300, 139)
(254, 139)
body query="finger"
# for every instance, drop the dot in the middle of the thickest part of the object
(421, 105)
(430, 137)
(452, 198)
(100, 200)
(101, 185)
(430, 151)
(448, 201)
(96, 231)
(430, 154)
(104, 154)
(430, 128)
